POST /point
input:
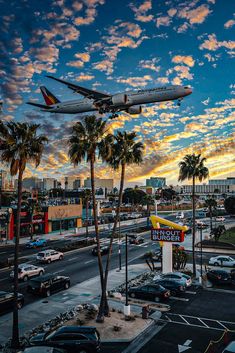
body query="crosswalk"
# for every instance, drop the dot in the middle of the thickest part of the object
(201, 322)
(105, 241)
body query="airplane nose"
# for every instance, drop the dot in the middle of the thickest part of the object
(189, 90)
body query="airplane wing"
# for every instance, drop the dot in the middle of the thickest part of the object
(81, 90)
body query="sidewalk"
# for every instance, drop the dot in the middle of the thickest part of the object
(72, 232)
(45, 309)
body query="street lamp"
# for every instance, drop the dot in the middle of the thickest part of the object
(119, 246)
(126, 306)
(200, 254)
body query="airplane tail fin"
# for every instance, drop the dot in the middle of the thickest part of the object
(49, 98)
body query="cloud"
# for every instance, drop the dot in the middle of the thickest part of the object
(140, 81)
(212, 44)
(163, 21)
(150, 64)
(82, 58)
(84, 77)
(185, 59)
(229, 24)
(104, 65)
(195, 16)
(183, 72)
(141, 12)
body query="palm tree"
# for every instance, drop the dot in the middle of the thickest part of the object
(192, 167)
(84, 143)
(19, 145)
(211, 204)
(125, 151)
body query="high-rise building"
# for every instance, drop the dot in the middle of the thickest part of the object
(100, 183)
(48, 183)
(156, 182)
(6, 182)
(71, 183)
(32, 183)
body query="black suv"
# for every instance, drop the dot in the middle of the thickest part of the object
(135, 239)
(219, 277)
(45, 285)
(7, 301)
(74, 339)
(103, 250)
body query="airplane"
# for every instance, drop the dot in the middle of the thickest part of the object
(129, 101)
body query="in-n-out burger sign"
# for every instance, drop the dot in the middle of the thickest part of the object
(165, 234)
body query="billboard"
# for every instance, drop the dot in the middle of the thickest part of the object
(167, 234)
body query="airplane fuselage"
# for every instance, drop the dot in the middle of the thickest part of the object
(130, 98)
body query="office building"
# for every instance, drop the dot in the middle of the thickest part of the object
(156, 182)
(209, 189)
(100, 183)
(228, 181)
(32, 183)
(49, 183)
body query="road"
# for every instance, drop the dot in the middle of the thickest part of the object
(79, 265)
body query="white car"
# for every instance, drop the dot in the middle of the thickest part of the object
(49, 255)
(25, 271)
(220, 219)
(222, 260)
(175, 276)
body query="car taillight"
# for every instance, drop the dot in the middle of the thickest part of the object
(219, 277)
(181, 288)
(166, 294)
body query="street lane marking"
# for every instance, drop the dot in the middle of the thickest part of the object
(181, 299)
(203, 322)
(73, 258)
(3, 252)
(3, 279)
(88, 262)
(54, 273)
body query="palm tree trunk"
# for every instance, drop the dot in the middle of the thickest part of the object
(86, 219)
(194, 228)
(100, 316)
(105, 304)
(211, 219)
(15, 328)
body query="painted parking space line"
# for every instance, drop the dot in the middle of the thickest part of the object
(190, 292)
(3, 252)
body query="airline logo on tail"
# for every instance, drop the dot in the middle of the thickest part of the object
(49, 98)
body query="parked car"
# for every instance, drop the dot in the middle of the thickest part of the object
(222, 260)
(7, 301)
(44, 349)
(47, 284)
(219, 277)
(178, 247)
(36, 243)
(72, 338)
(136, 240)
(180, 215)
(153, 292)
(26, 271)
(232, 274)
(47, 256)
(230, 348)
(220, 219)
(201, 225)
(103, 250)
(175, 287)
(175, 276)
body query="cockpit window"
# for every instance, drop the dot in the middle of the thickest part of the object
(186, 87)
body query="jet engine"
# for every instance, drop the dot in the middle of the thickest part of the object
(135, 109)
(119, 99)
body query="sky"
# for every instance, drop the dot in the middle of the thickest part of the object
(114, 46)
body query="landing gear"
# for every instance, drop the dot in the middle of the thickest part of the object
(179, 102)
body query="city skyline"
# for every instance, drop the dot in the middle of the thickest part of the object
(113, 47)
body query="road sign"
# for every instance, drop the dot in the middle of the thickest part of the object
(166, 234)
